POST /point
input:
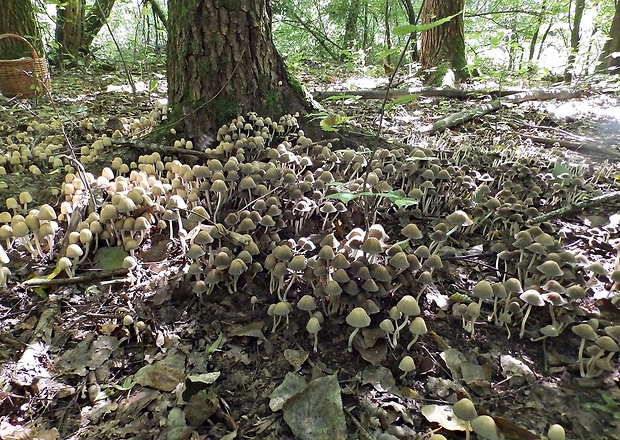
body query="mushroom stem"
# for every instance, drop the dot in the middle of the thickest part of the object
(527, 313)
(350, 344)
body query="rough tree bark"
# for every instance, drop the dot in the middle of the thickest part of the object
(607, 62)
(18, 17)
(69, 27)
(443, 47)
(350, 28)
(222, 62)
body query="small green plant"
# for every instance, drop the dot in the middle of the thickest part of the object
(611, 406)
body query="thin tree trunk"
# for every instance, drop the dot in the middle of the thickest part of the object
(350, 28)
(412, 18)
(388, 41)
(574, 40)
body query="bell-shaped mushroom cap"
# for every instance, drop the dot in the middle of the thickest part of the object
(408, 305)
(483, 290)
(372, 245)
(550, 268)
(412, 231)
(556, 432)
(358, 318)
(406, 364)
(464, 409)
(585, 331)
(313, 326)
(533, 297)
(418, 326)
(607, 343)
(485, 427)
(306, 303)
(459, 218)
(613, 331)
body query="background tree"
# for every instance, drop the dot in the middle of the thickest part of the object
(69, 27)
(222, 63)
(609, 60)
(96, 16)
(574, 39)
(18, 17)
(443, 47)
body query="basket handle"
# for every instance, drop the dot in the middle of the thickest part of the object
(35, 55)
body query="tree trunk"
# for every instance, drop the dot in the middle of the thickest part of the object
(412, 18)
(607, 62)
(574, 40)
(222, 63)
(350, 27)
(443, 47)
(96, 17)
(69, 27)
(18, 17)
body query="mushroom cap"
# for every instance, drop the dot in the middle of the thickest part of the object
(550, 268)
(422, 252)
(406, 364)
(607, 343)
(399, 260)
(459, 218)
(313, 326)
(412, 231)
(408, 305)
(433, 262)
(483, 290)
(532, 297)
(74, 251)
(306, 303)
(613, 331)
(464, 409)
(237, 267)
(485, 427)
(358, 318)
(556, 432)
(281, 309)
(372, 245)
(387, 326)
(585, 331)
(418, 326)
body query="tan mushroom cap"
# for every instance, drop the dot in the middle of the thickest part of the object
(550, 268)
(464, 409)
(358, 318)
(532, 297)
(585, 331)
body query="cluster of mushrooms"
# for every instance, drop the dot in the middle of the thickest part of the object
(261, 205)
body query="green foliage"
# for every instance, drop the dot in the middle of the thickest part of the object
(394, 197)
(610, 406)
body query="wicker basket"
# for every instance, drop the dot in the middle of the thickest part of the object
(26, 77)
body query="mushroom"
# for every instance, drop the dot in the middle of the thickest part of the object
(407, 306)
(280, 309)
(307, 303)
(556, 432)
(531, 297)
(357, 318)
(406, 365)
(417, 328)
(313, 326)
(465, 410)
(388, 327)
(485, 427)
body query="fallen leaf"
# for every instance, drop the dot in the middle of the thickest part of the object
(316, 413)
(291, 385)
(159, 376)
(295, 357)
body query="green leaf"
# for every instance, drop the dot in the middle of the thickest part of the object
(331, 121)
(405, 99)
(110, 258)
(411, 28)
(216, 345)
(403, 202)
(344, 197)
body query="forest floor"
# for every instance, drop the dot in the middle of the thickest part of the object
(140, 356)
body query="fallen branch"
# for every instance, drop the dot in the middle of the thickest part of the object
(467, 115)
(580, 206)
(85, 278)
(421, 91)
(589, 147)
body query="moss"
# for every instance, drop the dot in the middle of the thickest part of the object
(222, 110)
